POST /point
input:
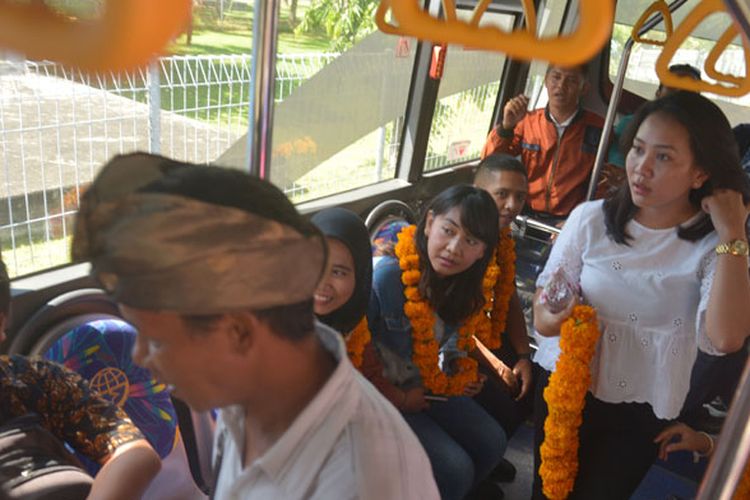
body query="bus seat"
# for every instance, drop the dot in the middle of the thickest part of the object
(385, 236)
(100, 351)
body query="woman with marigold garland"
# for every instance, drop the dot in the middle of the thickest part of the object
(344, 290)
(664, 263)
(426, 306)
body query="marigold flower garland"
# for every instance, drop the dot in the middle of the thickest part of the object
(500, 279)
(743, 487)
(356, 342)
(565, 397)
(425, 349)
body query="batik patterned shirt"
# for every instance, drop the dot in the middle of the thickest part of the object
(67, 405)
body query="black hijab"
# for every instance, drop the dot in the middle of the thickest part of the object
(345, 226)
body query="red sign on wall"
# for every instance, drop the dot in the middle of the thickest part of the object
(402, 47)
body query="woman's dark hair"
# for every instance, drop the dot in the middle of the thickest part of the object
(500, 162)
(457, 297)
(714, 152)
(232, 188)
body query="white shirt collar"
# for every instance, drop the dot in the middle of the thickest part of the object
(313, 433)
(562, 125)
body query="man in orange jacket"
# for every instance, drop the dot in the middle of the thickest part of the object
(557, 144)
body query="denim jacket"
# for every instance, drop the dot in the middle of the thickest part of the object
(391, 329)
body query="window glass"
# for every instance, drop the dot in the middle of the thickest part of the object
(641, 77)
(340, 128)
(340, 94)
(59, 126)
(466, 100)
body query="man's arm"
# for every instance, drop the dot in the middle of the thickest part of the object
(483, 355)
(127, 473)
(506, 136)
(501, 141)
(515, 326)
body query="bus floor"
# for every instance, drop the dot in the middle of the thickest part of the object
(675, 479)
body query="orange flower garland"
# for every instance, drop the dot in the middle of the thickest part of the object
(425, 349)
(356, 342)
(501, 275)
(743, 487)
(565, 397)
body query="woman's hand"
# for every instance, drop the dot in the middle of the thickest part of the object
(474, 388)
(728, 213)
(548, 323)
(688, 439)
(414, 400)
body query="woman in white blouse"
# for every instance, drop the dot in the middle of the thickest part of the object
(664, 262)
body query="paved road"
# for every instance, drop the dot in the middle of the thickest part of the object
(56, 133)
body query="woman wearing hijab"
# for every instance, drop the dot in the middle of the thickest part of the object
(343, 293)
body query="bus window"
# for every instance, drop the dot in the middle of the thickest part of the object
(341, 128)
(58, 126)
(340, 102)
(467, 95)
(641, 78)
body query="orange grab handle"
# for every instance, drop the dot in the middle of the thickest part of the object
(594, 28)
(128, 34)
(735, 86)
(658, 6)
(529, 12)
(713, 57)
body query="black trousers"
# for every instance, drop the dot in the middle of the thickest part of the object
(616, 446)
(712, 376)
(496, 400)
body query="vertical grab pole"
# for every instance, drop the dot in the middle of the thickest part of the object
(609, 119)
(154, 107)
(614, 100)
(260, 126)
(732, 448)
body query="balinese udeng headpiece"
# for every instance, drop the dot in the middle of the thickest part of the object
(161, 251)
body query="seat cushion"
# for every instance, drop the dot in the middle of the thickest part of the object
(100, 351)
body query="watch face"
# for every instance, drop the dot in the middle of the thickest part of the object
(739, 247)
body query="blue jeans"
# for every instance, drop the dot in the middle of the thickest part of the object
(464, 443)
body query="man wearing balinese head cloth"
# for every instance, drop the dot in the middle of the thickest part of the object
(216, 270)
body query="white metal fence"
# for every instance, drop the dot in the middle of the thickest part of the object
(58, 126)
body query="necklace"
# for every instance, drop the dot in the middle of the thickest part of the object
(425, 349)
(356, 342)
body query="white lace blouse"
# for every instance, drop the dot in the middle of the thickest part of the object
(651, 299)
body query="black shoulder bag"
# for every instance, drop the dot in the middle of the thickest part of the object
(35, 465)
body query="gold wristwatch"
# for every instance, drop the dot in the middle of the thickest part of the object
(734, 247)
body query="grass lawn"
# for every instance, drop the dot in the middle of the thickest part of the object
(210, 90)
(233, 34)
